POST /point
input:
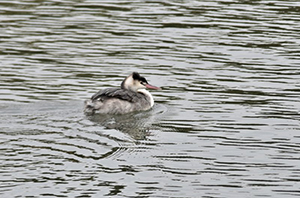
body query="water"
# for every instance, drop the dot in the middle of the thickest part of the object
(225, 124)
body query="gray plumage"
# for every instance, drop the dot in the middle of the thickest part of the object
(132, 96)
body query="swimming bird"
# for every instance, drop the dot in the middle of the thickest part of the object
(131, 96)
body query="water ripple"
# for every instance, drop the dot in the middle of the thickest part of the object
(225, 122)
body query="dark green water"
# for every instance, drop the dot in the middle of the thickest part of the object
(225, 124)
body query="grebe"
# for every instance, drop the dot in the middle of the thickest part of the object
(132, 96)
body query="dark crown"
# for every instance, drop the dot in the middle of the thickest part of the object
(136, 76)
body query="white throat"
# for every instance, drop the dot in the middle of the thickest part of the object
(147, 93)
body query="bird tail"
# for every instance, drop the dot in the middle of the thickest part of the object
(89, 108)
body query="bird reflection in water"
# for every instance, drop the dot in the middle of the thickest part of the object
(137, 125)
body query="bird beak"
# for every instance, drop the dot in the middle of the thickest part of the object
(151, 86)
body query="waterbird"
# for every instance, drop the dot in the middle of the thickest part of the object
(131, 96)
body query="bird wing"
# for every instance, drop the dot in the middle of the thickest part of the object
(122, 94)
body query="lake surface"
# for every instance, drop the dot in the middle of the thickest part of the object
(225, 124)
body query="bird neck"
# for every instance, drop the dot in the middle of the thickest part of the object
(148, 95)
